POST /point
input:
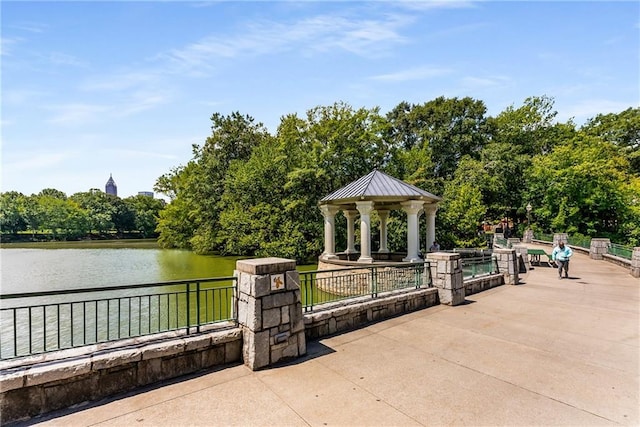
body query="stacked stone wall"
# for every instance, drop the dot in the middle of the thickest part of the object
(339, 317)
(64, 378)
(479, 284)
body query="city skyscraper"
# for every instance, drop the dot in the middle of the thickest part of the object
(111, 187)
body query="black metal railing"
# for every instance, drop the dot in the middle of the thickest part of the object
(325, 286)
(33, 323)
(478, 266)
(620, 250)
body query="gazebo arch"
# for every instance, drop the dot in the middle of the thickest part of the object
(382, 193)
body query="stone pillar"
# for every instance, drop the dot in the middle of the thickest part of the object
(384, 215)
(269, 311)
(528, 236)
(329, 214)
(446, 276)
(598, 247)
(521, 253)
(430, 214)
(412, 207)
(560, 237)
(351, 217)
(635, 262)
(507, 265)
(365, 209)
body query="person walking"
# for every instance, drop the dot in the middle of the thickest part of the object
(435, 247)
(561, 255)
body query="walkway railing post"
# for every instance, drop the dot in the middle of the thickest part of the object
(635, 262)
(598, 248)
(507, 265)
(269, 311)
(446, 276)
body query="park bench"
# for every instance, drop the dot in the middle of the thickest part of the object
(536, 254)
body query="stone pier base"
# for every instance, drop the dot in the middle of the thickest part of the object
(270, 311)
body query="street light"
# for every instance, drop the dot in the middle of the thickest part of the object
(529, 215)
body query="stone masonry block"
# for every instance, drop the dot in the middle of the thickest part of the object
(12, 380)
(115, 358)
(244, 282)
(302, 344)
(271, 318)
(263, 266)
(57, 396)
(58, 371)
(285, 314)
(149, 371)
(197, 342)
(250, 314)
(261, 286)
(277, 300)
(292, 280)
(170, 348)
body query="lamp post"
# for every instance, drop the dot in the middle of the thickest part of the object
(528, 234)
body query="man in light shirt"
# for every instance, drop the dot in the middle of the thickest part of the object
(561, 255)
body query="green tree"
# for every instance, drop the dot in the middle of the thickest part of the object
(100, 208)
(621, 129)
(581, 187)
(12, 210)
(444, 129)
(146, 211)
(198, 187)
(462, 210)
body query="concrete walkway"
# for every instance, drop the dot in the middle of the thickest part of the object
(546, 352)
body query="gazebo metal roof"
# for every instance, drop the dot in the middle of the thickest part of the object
(378, 186)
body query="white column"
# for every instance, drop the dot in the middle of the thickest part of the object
(430, 211)
(329, 214)
(365, 209)
(412, 207)
(384, 215)
(351, 216)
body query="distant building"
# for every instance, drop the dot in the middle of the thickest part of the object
(111, 187)
(146, 193)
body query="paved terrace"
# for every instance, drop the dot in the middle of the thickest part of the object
(546, 352)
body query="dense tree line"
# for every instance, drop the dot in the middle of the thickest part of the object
(249, 192)
(52, 213)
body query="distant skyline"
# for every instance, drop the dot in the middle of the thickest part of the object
(91, 89)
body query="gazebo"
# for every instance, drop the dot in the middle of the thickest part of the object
(382, 193)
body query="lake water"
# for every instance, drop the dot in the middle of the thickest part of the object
(42, 267)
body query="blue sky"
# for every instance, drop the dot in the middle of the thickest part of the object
(93, 88)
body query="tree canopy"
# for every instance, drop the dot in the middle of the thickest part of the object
(247, 192)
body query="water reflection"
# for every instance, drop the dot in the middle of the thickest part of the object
(38, 270)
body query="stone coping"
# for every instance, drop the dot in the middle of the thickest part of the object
(328, 309)
(62, 364)
(263, 266)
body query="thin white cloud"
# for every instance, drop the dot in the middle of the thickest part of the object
(30, 27)
(7, 44)
(139, 102)
(364, 37)
(426, 5)
(59, 58)
(121, 80)
(418, 73)
(76, 113)
(33, 160)
(22, 97)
